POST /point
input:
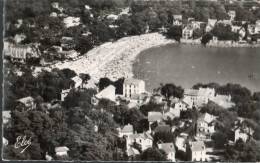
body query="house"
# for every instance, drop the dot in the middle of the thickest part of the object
(132, 152)
(257, 26)
(71, 21)
(18, 38)
(197, 151)
(232, 14)
(144, 139)
(112, 17)
(223, 101)
(5, 141)
(77, 81)
(53, 14)
(154, 117)
(180, 142)
(181, 105)
(107, 93)
(64, 93)
(244, 133)
(61, 151)
(87, 7)
(169, 149)
(140, 99)
(20, 53)
(126, 131)
(6, 116)
(177, 20)
(205, 126)
(187, 32)
(198, 97)
(26, 103)
(133, 87)
(210, 25)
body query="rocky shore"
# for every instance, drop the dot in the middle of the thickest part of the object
(114, 60)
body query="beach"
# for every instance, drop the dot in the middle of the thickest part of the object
(114, 60)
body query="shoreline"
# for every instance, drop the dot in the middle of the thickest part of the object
(115, 60)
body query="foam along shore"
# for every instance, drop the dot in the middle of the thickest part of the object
(114, 60)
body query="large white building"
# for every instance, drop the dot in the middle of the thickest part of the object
(132, 87)
(198, 97)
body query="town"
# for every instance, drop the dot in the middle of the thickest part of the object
(78, 113)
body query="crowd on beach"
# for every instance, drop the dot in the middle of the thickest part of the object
(114, 60)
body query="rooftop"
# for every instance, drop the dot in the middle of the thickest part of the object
(154, 116)
(26, 100)
(61, 149)
(128, 128)
(167, 147)
(132, 151)
(197, 146)
(144, 135)
(206, 118)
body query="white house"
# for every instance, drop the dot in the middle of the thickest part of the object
(187, 32)
(61, 151)
(144, 139)
(132, 152)
(210, 25)
(177, 20)
(71, 21)
(5, 141)
(180, 142)
(223, 101)
(198, 97)
(243, 133)
(27, 103)
(77, 81)
(169, 149)
(107, 93)
(154, 117)
(198, 151)
(232, 14)
(126, 131)
(64, 94)
(20, 53)
(132, 87)
(205, 126)
(257, 26)
(6, 116)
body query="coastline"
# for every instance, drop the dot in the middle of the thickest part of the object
(114, 60)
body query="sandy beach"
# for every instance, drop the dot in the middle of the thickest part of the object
(114, 60)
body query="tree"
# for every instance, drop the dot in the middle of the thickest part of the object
(153, 154)
(103, 83)
(256, 96)
(220, 139)
(174, 32)
(206, 38)
(242, 151)
(224, 32)
(169, 90)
